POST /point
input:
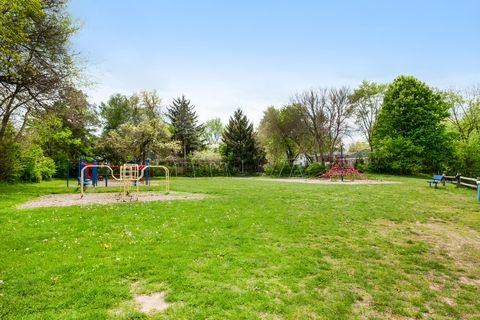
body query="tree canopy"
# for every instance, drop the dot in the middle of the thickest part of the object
(410, 130)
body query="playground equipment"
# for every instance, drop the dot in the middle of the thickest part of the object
(341, 168)
(93, 176)
(130, 176)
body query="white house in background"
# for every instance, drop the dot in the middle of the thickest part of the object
(300, 160)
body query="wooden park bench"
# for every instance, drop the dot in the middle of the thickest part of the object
(437, 178)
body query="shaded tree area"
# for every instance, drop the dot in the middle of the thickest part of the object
(37, 77)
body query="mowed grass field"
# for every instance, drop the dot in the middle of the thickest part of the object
(250, 250)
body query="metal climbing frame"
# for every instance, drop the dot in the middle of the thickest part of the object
(129, 174)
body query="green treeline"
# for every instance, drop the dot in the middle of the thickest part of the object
(403, 127)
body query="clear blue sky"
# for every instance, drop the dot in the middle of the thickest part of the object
(252, 54)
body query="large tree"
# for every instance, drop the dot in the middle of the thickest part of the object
(184, 121)
(410, 129)
(367, 100)
(313, 104)
(36, 59)
(283, 133)
(325, 114)
(136, 129)
(241, 150)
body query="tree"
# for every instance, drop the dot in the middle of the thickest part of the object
(325, 114)
(65, 131)
(465, 126)
(312, 103)
(150, 139)
(241, 151)
(338, 111)
(212, 133)
(358, 146)
(183, 119)
(15, 21)
(367, 100)
(136, 129)
(116, 111)
(464, 111)
(283, 134)
(410, 132)
(36, 62)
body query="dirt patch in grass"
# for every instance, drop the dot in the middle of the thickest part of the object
(74, 199)
(151, 302)
(326, 181)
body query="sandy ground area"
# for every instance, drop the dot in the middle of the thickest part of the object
(325, 181)
(74, 199)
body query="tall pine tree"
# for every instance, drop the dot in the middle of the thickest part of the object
(183, 119)
(240, 150)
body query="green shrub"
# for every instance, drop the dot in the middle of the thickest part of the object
(315, 169)
(35, 166)
(360, 165)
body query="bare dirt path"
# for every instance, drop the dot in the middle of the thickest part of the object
(74, 199)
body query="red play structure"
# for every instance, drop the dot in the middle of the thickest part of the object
(342, 168)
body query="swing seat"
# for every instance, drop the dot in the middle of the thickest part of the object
(86, 182)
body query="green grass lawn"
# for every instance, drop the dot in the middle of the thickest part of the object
(250, 250)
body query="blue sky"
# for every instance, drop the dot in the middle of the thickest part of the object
(251, 54)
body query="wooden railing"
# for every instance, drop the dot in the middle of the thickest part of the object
(463, 181)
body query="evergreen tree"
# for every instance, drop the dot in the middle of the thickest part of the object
(183, 119)
(240, 148)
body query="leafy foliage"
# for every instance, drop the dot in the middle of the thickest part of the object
(212, 133)
(136, 129)
(410, 132)
(282, 133)
(315, 169)
(116, 111)
(37, 62)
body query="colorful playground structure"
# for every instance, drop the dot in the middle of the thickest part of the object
(129, 175)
